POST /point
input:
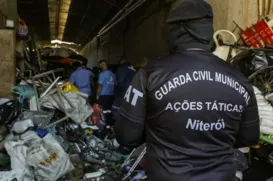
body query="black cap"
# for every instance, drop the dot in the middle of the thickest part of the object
(190, 10)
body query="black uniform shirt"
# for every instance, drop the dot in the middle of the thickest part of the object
(191, 109)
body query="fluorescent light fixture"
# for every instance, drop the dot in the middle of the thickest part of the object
(63, 42)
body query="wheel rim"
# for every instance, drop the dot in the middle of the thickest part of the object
(263, 80)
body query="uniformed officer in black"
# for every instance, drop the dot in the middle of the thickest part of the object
(191, 108)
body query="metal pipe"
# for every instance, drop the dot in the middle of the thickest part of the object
(50, 87)
(142, 154)
(36, 94)
(135, 6)
(47, 73)
(57, 122)
(119, 13)
(126, 13)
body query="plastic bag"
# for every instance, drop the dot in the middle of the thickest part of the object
(252, 60)
(17, 148)
(81, 109)
(49, 160)
(69, 87)
(39, 118)
(11, 175)
(9, 112)
(24, 92)
(265, 113)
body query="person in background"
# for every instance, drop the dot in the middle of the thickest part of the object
(191, 108)
(106, 90)
(125, 73)
(141, 63)
(82, 79)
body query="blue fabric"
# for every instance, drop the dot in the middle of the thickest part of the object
(81, 79)
(125, 74)
(41, 132)
(108, 80)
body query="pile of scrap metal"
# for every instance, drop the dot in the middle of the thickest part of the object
(52, 133)
(257, 65)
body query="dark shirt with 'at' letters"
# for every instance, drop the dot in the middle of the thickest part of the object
(192, 109)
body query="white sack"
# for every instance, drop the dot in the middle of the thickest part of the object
(49, 160)
(265, 113)
(8, 176)
(17, 148)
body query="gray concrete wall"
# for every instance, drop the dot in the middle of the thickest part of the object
(144, 32)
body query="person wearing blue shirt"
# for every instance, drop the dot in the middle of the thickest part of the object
(82, 79)
(106, 90)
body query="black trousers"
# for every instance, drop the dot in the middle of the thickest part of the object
(106, 102)
(92, 99)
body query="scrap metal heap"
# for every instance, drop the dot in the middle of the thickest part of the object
(52, 133)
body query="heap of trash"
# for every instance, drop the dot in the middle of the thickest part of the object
(50, 132)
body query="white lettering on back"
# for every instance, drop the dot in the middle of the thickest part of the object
(198, 125)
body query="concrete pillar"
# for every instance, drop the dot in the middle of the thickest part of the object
(9, 9)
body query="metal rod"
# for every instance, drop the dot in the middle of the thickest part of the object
(47, 73)
(54, 76)
(36, 94)
(39, 59)
(136, 163)
(119, 13)
(42, 84)
(128, 158)
(57, 122)
(135, 6)
(50, 87)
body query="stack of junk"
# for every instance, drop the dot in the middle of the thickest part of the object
(50, 132)
(256, 63)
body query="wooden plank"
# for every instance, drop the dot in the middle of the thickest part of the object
(7, 63)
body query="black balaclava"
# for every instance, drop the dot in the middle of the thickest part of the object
(193, 26)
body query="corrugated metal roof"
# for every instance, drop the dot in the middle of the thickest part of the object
(69, 20)
(58, 12)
